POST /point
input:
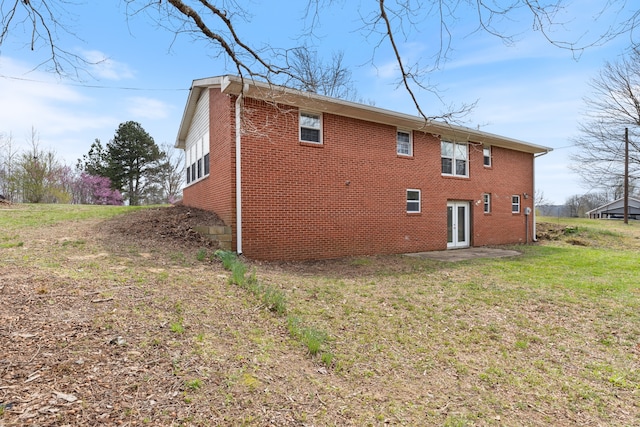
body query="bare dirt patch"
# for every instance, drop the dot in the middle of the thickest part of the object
(96, 338)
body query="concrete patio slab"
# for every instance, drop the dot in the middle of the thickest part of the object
(454, 255)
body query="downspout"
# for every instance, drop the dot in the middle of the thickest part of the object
(534, 238)
(238, 175)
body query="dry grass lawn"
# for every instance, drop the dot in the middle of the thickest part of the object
(131, 320)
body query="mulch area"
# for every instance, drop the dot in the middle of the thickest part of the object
(169, 227)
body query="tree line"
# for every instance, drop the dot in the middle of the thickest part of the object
(130, 169)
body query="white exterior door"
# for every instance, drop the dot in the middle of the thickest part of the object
(457, 225)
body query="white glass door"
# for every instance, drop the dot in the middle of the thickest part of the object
(457, 225)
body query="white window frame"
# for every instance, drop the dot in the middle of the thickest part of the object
(187, 160)
(454, 159)
(404, 148)
(413, 201)
(486, 201)
(318, 127)
(206, 170)
(486, 155)
(195, 158)
(515, 204)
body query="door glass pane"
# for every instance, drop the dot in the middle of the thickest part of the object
(449, 224)
(462, 231)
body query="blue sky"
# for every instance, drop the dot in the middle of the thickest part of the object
(529, 90)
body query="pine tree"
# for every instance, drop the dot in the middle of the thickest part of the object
(133, 159)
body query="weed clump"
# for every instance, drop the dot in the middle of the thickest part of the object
(275, 301)
(314, 339)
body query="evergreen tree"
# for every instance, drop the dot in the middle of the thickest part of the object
(132, 161)
(95, 161)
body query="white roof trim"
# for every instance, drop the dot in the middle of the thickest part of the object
(234, 85)
(606, 205)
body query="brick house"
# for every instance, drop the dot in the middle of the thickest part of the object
(300, 176)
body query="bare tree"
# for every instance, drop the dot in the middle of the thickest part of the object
(579, 204)
(539, 198)
(40, 176)
(311, 74)
(172, 173)
(8, 167)
(613, 106)
(386, 24)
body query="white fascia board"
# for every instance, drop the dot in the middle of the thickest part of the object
(197, 86)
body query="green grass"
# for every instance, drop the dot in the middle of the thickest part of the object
(41, 215)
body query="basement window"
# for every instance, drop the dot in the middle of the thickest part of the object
(413, 201)
(515, 204)
(486, 199)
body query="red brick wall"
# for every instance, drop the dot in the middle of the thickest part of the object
(348, 196)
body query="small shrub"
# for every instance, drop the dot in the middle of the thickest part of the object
(177, 327)
(327, 359)
(228, 258)
(275, 300)
(312, 338)
(193, 384)
(238, 270)
(201, 255)
(568, 230)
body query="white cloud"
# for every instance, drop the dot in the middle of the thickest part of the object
(65, 119)
(148, 108)
(103, 67)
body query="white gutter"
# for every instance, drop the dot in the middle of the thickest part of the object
(238, 176)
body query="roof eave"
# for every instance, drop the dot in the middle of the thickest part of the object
(269, 92)
(235, 85)
(197, 86)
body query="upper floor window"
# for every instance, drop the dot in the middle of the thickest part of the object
(413, 201)
(310, 127)
(197, 158)
(454, 158)
(515, 204)
(404, 143)
(486, 198)
(486, 152)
